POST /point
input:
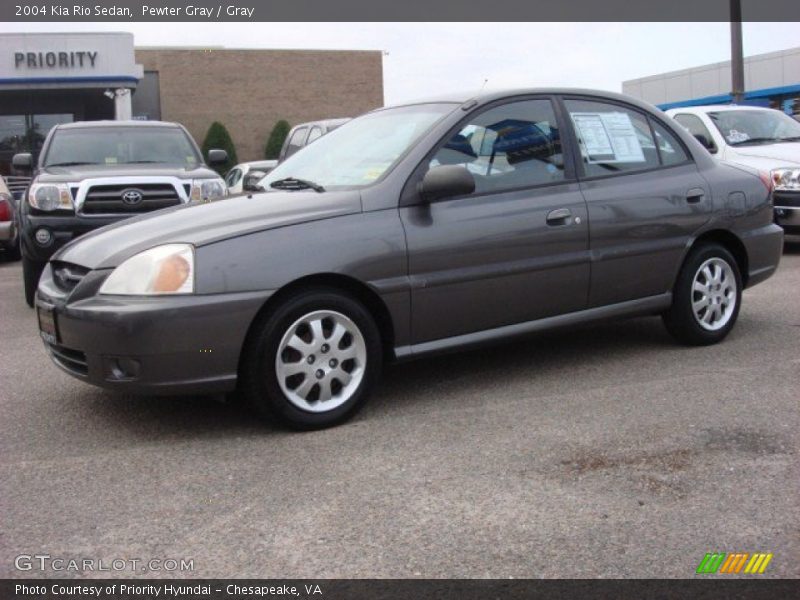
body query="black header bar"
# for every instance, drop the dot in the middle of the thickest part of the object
(21, 11)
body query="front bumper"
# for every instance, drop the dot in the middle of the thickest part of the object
(63, 229)
(787, 211)
(789, 218)
(147, 345)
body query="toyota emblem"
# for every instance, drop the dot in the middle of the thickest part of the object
(132, 196)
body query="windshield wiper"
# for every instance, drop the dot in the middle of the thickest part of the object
(71, 164)
(293, 183)
(140, 162)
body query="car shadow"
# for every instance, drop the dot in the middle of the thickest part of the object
(552, 352)
(403, 387)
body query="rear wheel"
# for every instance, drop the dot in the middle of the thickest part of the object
(31, 272)
(706, 298)
(313, 361)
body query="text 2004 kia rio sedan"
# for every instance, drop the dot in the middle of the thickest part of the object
(408, 231)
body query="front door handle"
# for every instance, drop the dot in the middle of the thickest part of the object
(559, 216)
(695, 195)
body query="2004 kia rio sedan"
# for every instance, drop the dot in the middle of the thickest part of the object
(408, 231)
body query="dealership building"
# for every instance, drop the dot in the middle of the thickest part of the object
(51, 78)
(771, 80)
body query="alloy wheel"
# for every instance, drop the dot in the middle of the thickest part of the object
(320, 361)
(714, 294)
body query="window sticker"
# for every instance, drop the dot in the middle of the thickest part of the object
(735, 136)
(111, 160)
(608, 137)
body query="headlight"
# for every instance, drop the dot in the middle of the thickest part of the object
(50, 196)
(204, 190)
(167, 269)
(786, 179)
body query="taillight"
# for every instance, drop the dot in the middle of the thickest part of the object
(766, 179)
(5, 208)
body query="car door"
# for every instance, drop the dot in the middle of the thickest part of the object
(644, 194)
(516, 249)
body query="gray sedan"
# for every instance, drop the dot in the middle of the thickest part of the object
(412, 230)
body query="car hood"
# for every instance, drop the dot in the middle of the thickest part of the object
(201, 224)
(785, 154)
(80, 172)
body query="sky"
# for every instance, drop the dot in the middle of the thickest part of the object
(429, 59)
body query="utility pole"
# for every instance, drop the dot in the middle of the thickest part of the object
(737, 57)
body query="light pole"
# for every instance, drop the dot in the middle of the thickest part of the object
(737, 58)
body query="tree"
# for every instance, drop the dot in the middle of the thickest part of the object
(276, 139)
(218, 137)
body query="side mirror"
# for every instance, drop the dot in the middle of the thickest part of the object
(250, 182)
(217, 157)
(707, 143)
(446, 181)
(23, 161)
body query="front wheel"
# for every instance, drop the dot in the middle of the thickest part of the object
(706, 297)
(313, 361)
(31, 272)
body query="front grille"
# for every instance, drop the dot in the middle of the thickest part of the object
(17, 185)
(66, 276)
(791, 199)
(73, 361)
(115, 199)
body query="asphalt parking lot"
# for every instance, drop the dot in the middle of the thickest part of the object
(607, 451)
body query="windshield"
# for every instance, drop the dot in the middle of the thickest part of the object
(360, 151)
(121, 146)
(742, 127)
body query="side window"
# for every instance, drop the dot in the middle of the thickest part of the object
(695, 126)
(670, 149)
(296, 141)
(315, 133)
(612, 138)
(233, 177)
(511, 146)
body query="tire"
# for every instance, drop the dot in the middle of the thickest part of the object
(291, 359)
(705, 315)
(31, 272)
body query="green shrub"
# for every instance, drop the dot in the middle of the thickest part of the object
(218, 137)
(276, 139)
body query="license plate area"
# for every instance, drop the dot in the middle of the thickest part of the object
(47, 324)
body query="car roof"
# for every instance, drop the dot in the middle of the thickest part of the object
(258, 163)
(110, 123)
(323, 122)
(484, 97)
(717, 108)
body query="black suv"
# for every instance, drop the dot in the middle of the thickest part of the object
(94, 173)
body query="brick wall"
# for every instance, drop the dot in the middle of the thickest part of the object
(250, 90)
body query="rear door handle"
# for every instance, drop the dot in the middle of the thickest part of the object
(559, 216)
(694, 196)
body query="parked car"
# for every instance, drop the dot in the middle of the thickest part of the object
(9, 234)
(379, 242)
(93, 173)
(303, 134)
(234, 178)
(762, 138)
